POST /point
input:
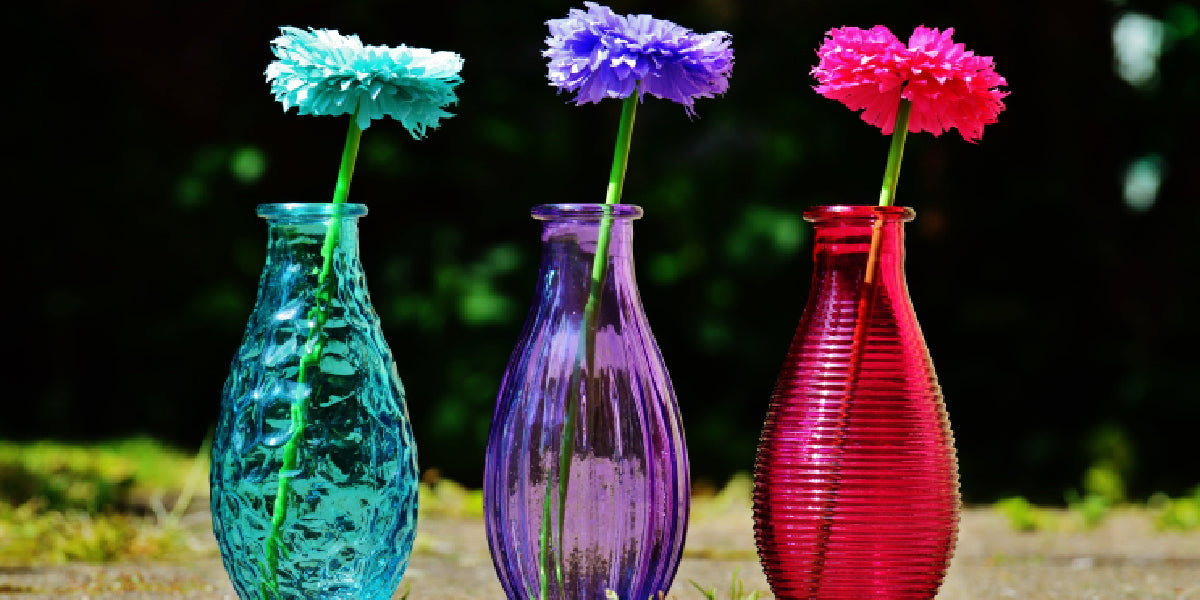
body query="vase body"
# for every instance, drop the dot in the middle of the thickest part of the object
(612, 496)
(856, 480)
(344, 519)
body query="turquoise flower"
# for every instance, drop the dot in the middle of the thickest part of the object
(321, 72)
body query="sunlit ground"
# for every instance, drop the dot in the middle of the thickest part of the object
(114, 517)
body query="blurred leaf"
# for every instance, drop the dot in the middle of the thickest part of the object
(1024, 516)
(247, 164)
(763, 233)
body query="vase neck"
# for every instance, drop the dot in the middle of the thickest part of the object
(587, 224)
(296, 231)
(571, 235)
(860, 245)
(583, 238)
(296, 268)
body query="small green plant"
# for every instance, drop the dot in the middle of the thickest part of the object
(1104, 479)
(1090, 508)
(611, 595)
(736, 590)
(1176, 513)
(1103, 489)
(1024, 516)
(447, 498)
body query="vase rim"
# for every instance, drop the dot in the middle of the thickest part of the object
(858, 211)
(585, 211)
(310, 210)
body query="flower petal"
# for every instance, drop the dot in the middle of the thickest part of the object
(949, 86)
(598, 54)
(321, 72)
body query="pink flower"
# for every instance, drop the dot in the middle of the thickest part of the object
(949, 86)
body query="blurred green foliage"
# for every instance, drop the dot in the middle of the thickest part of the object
(33, 535)
(1104, 481)
(96, 502)
(1059, 315)
(94, 478)
(1022, 515)
(1181, 513)
(1103, 492)
(445, 498)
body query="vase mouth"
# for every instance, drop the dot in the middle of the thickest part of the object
(838, 212)
(310, 210)
(585, 212)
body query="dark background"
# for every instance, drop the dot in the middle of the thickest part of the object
(1059, 315)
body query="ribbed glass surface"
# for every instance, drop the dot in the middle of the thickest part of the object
(626, 505)
(351, 508)
(856, 482)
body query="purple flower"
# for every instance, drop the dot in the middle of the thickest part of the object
(598, 54)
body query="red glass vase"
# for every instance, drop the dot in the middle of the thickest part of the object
(856, 481)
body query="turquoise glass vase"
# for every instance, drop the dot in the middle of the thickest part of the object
(314, 468)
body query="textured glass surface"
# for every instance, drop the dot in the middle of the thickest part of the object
(628, 497)
(856, 483)
(352, 505)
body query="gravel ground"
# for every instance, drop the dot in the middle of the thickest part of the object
(1124, 558)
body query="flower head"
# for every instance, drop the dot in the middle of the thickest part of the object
(598, 54)
(949, 86)
(322, 72)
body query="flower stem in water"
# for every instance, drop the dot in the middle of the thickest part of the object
(587, 348)
(313, 345)
(866, 307)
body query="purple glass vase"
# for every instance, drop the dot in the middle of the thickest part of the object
(856, 483)
(586, 486)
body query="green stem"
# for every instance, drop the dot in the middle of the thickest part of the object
(349, 156)
(544, 550)
(313, 344)
(616, 177)
(891, 173)
(587, 347)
